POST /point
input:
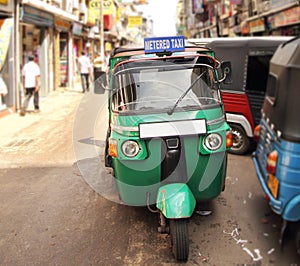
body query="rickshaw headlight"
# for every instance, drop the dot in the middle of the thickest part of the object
(213, 141)
(130, 148)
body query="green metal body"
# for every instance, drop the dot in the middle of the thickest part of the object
(138, 179)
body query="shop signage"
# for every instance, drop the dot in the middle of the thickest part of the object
(134, 21)
(257, 25)
(7, 6)
(244, 27)
(280, 3)
(118, 14)
(94, 9)
(62, 25)
(286, 17)
(236, 2)
(36, 16)
(107, 22)
(76, 28)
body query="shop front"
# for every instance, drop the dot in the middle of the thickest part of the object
(36, 37)
(257, 27)
(285, 23)
(6, 28)
(7, 95)
(79, 45)
(62, 59)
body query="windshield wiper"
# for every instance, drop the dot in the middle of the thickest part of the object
(171, 111)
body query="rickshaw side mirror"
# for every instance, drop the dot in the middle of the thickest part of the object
(100, 83)
(226, 72)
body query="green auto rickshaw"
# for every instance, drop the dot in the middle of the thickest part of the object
(167, 138)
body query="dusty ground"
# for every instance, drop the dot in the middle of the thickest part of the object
(49, 215)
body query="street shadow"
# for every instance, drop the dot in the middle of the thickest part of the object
(99, 178)
(92, 141)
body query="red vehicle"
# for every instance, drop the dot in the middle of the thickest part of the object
(244, 91)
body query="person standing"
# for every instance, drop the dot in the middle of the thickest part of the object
(31, 81)
(85, 71)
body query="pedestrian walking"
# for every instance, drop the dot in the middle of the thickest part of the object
(85, 71)
(31, 81)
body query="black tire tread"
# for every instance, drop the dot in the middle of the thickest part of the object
(180, 239)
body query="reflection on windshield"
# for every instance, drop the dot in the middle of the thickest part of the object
(158, 85)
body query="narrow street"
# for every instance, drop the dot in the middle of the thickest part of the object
(58, 203)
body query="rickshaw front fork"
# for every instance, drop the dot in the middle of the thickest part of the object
(163, 227)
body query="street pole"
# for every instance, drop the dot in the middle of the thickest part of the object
(16, 51)
(101, 30)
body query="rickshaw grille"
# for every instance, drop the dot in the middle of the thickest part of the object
(173, 167)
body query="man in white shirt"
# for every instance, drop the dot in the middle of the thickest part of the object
(31, 79)
(85, 70)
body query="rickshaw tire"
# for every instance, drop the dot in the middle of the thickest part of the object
(108, 160)
(239, 132)
(298, 239)
(179, 238)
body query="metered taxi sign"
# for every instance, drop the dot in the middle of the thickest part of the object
(164, 44)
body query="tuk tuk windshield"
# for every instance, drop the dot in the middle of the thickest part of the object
(152, 85)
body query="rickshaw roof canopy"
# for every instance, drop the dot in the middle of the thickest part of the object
(281, 104)
(236, 50)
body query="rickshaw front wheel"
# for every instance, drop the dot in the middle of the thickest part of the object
(180, 238)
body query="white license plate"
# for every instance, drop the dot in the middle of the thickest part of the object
(172, 128)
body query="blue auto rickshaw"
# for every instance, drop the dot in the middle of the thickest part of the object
(277, 157)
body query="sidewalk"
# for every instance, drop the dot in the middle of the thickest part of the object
(55, 102)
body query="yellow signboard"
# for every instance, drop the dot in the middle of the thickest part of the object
(108, 7)
(4, 2)
(118, 14)
(95, 9)
(135, 21)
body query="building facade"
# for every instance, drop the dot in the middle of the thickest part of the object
(56, 31)
(211, 18)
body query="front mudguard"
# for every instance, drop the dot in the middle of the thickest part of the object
(176, 201)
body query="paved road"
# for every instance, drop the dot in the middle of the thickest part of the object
(50, 215)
